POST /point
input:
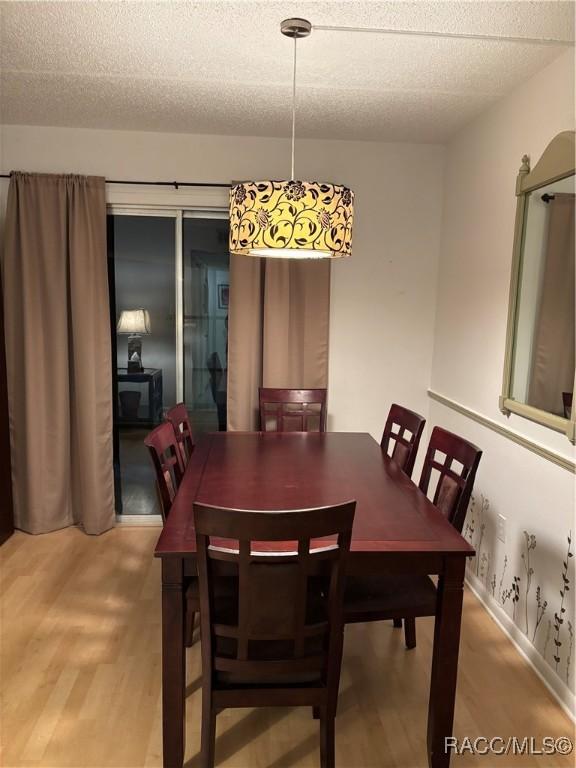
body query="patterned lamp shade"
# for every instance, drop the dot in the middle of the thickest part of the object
(291, 219)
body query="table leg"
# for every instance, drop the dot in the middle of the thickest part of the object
(173, 663)
(445, 660)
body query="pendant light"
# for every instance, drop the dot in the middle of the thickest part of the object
(291, 219)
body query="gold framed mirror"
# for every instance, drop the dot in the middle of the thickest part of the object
(539, 364)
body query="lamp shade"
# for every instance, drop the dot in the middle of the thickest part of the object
(291, 219)
(134, 321)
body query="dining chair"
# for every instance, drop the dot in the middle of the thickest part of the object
(401, 436)
(271, 615)
(166, 455)
(292, 410)
(180, 420)
(448, 474)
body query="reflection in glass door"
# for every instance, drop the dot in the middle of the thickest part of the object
(144, 253)
(205, 328)
(169, 313)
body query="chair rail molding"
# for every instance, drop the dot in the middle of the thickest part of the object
(501, 429)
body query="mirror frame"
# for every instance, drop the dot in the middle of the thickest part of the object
(557, 162)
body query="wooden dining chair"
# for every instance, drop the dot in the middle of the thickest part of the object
(271, 615)
(180, 420)
(401, 437)
(292, 410)
(167, 461)
(451, 464)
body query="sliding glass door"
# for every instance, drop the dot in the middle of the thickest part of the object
(205, 322)
(169, 314)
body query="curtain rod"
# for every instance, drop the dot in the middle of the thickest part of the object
(174, 184)
(447, 35)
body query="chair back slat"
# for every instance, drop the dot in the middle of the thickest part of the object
(454, 485)
(180, 420)
(401, 437)
(167, 461)
(274, 614)
(292, 410)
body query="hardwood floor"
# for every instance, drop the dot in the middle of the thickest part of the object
(80, 672)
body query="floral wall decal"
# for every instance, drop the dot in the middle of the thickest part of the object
(501, 591)
(513, 594)
(559, 617)
(541, 606)
(527, 609)
(530, 544)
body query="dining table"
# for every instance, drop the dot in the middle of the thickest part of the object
(397, 530)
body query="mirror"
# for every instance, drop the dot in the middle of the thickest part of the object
(540, 356)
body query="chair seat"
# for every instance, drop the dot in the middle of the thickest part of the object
(374, 598)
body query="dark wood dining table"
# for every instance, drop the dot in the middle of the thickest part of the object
(396, 530)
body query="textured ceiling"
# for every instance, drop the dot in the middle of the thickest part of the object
(223, 67)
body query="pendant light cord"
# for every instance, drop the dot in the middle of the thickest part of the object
(293, 109)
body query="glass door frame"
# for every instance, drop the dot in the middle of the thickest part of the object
(178, 205)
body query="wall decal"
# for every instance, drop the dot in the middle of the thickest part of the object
(559, 617)
(501, 591)
(528, 610)
(530, 544)
(541, 606)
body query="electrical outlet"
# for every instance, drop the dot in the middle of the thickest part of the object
(501, 528)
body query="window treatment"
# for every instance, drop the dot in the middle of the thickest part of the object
(553, 355)
(58, 352)
(278, 330)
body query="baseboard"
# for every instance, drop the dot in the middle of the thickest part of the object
(142, 521)
(555, 685)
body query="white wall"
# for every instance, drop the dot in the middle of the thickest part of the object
(382, 307)
(534, 495)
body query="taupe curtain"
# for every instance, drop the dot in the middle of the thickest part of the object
(279, 326)
(58, 352)
(553, 356)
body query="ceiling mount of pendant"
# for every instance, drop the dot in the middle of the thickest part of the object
(296, 28)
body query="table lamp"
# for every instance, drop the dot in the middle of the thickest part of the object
(135, 323)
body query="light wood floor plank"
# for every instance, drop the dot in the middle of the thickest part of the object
(80, 671)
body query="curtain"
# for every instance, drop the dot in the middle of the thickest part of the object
(553, 358)
(278, 330)
(58, 352)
